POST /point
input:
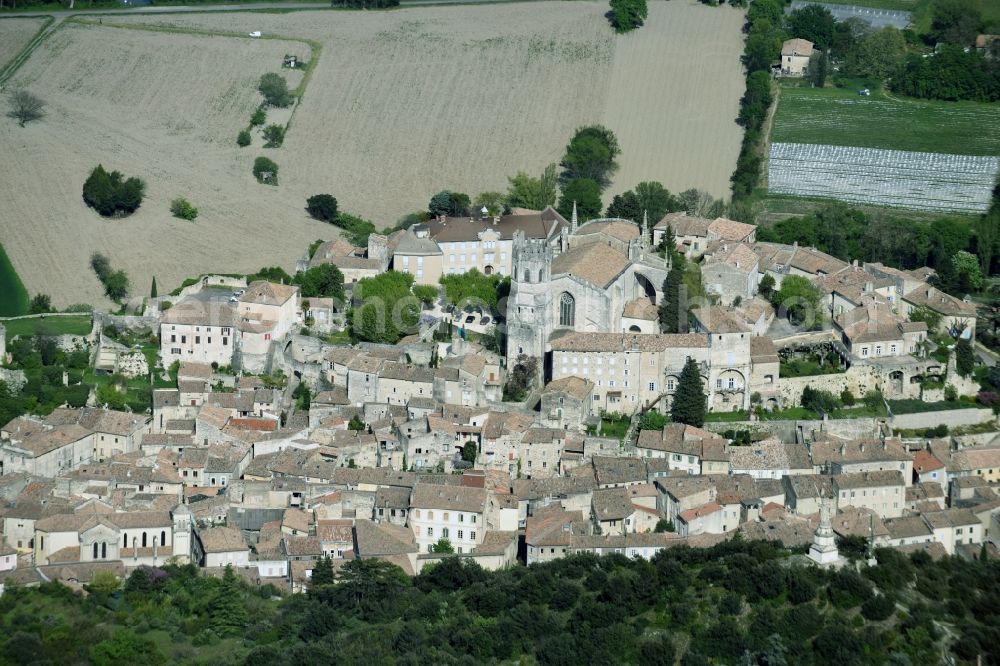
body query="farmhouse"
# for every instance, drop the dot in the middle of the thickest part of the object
(795, 55)
(958, 316)
(693, 234)
(873, 331)
(355, 263)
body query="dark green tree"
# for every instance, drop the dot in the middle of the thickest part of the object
(956, 21)
(274, 88)
(227, 611)
(116, 286)
(586, 194)
(526, 191)
(591, 154)
(265, 171)
(322, 573)
(274, 136)
(766, 286)
(469, 452)
(111, 194)
(689, 400)
(152, 288)
(818, 66)
(243, 139)
(672, 310)
(323, 281)
(443, 546)
(356, 424)
(627, 15)
(965, 360)
(451, 204)
(652, 420)
(814, 23)
(40, 303)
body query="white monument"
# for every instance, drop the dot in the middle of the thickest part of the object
(823, 550)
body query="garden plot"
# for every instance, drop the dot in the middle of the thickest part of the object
(932, 181)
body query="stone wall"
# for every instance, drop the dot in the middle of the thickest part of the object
(791, 430)
(952, 418)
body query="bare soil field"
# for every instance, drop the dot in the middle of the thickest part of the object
(15, 33)
(401, 105)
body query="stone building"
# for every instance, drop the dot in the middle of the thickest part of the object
(567, 403)
(731, 273)
(795, 55)
(583, 283)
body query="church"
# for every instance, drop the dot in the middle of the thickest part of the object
(599, 277)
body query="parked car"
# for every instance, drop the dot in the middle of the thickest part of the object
(470, 319)
(484, 321)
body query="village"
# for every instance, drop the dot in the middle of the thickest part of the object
(269, 448)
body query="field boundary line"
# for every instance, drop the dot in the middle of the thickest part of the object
(316, 48)
(765, 144)
(15, 63)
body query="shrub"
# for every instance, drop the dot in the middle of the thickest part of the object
(258, 118)
(274, 88)
(847, 397)
(182, 208)
(652, 420)
(322, 207)
(274, 135)
(265, 171)
(243, 139)
(111, 194)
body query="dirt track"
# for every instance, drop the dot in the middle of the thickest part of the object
(15, 33)
(402, 104)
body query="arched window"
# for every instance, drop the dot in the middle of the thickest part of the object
(104, 550)
(567, 309)
(539, 274)
(143, 539)
(125, 540)
(527, 275)
(163, 537)
(95, 550)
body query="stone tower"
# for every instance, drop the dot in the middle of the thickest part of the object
(181, 516)
(528, 321)
(378, 248)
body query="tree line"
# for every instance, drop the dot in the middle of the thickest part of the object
(740, 602)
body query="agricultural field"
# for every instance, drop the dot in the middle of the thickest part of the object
(399, 105)
(49, 324)
(884, 150)
(15, 33)
(841, 117)
(927, 181)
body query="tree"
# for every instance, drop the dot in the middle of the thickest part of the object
(126, 647)
(648, 198)
(766, 286)
(469, 452)
(101, 265)
(652, 420)
(274, 88)
(182, 208)
(672, 310)
(586, 194)
(525, 191)
(388, 308)
(814, 23)
(956, 21)
(801, 301)
(520, 378)
(243, 139)
(451, 204)
(987, 229)
(103, 584)
(25, 107)
(926, 315)
(878, 54)
(818, 65)
(627, 15)
(116, 286)
(323, 281)
(265, 171)
(965, 360)
(591, 154)
(356, 424)
(227, 612)
(152, 288)
(322, 573)
(40, 303)
(111, 194)
(689, 400)
(322, 207)
(474, 289)
(966, 273)
(274, 135)
(443, 546)
(495, 203)
(258, 117)
(664, 525)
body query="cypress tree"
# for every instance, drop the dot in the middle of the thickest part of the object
(673, 310)
(322, 572)
(965, 359)
(689, 400)
(152, 290)
(228, 611)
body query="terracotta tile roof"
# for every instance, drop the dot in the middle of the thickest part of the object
(939, 301)
(553, 526)
(577, 387)
(222, 540)
(762, 350)
(612, 504)
(623, 230)
(684, 224)
(797, 47)
(545, 224)
(739, 256)
(262, 292)
(641, 308)
(699, 512)
(385, 539)
(613, 342)
(924, 461)
(717, 319)
(876, 479)
(731, 230)
(448, 498)
(971, 459)
(596, 263)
